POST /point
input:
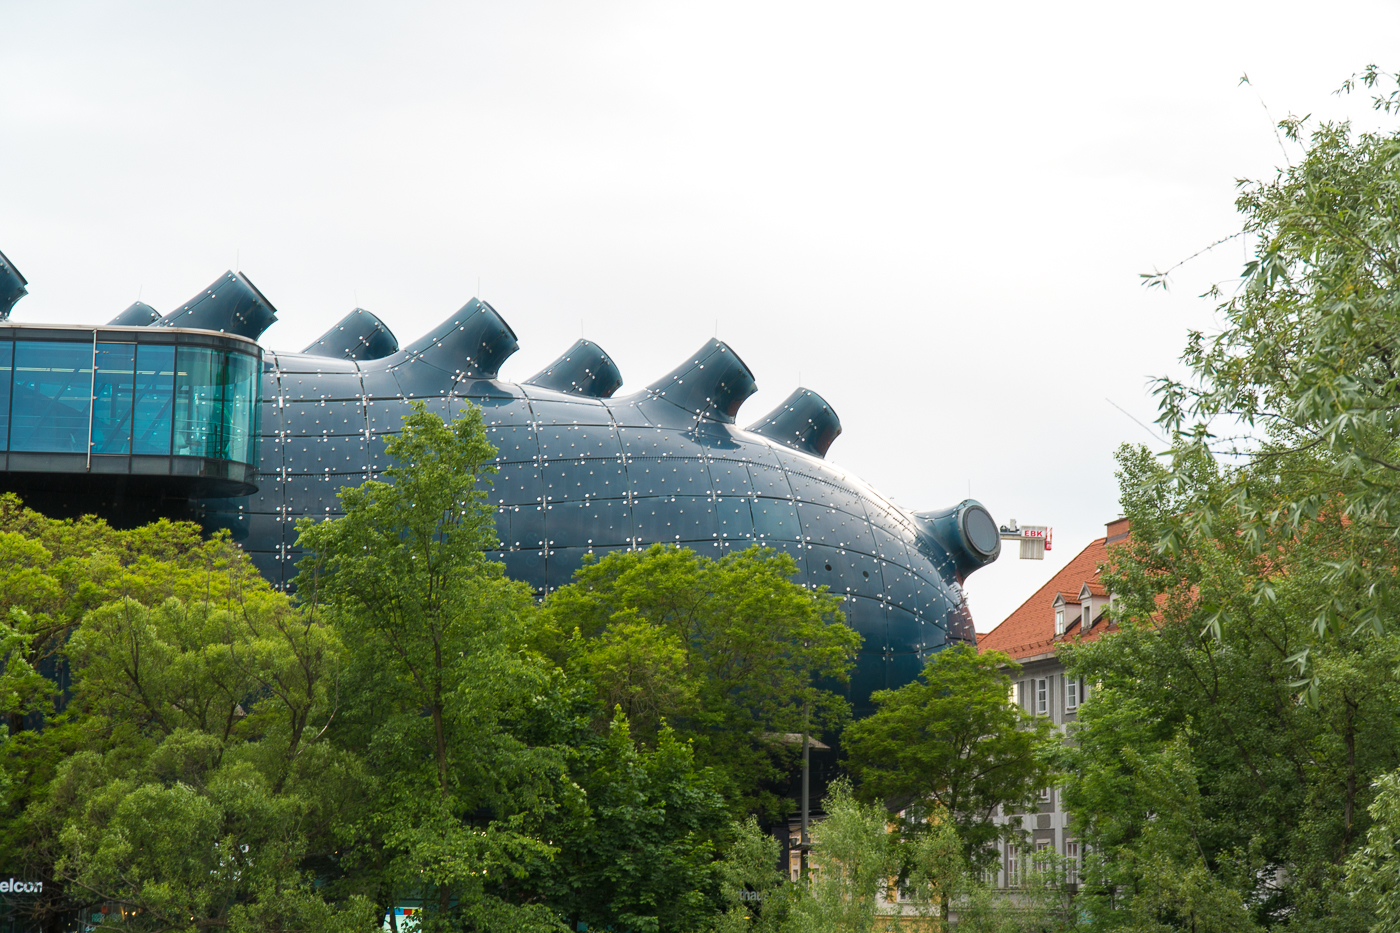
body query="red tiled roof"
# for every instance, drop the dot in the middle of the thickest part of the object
(1030, 630)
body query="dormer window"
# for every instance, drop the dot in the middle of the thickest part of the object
(1088, 607)
(1060, 620)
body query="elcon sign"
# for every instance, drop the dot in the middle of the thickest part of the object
(15, 886)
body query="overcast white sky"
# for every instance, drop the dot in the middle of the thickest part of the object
(936, 214)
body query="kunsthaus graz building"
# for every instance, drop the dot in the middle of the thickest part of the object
(185, 415)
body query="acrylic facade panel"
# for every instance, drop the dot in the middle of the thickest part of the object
(570, 413)
(585, 479)
(675, 520)
(775, 519)
(668, 476)
(595, 523)
(735, 519)
(517, 484)
(521, 526)
(571, 442)
(502, 410)
(729, 477)
(325, 417)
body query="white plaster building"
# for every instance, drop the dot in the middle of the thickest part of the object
(1069, 607)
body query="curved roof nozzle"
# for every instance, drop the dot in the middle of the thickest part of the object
(712, 384)
(584, 369)
(139, 314)
(359, 335)
(804, 421)
(12, 286)
(967, 532)
(473, 342)
(232, 304)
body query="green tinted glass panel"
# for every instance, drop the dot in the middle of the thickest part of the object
(112, 398)
(7, 355)
(51, 397)
(241, 408)
(199, 396)
(154, 399)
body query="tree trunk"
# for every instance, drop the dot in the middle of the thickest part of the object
(441, 741)
(1351, 784)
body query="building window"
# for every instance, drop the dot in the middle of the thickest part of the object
(1045, 795)
(1042, 697)
(1071, 693)
(1042, 858)
(52, 402)
(100, 398)
(1060, 621)
(1072, 861)
(1088, 614)
(154, 395)
(1013, 865)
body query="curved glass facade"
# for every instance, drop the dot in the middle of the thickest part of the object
(129, 400)
(581, 474)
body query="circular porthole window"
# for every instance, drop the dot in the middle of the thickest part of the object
(980, 530)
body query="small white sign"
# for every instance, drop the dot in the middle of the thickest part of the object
(15, 886)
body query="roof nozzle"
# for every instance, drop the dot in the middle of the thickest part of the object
(139, 314)
(359, 335)
(584, 369)
(473, 343)
(12, 286)
(966, 532)
(804, 421)
(712, 384)
(232, 304)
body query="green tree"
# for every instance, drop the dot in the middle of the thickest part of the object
(641, 854)
(188, 809)
(1304, 377)
(1201, 783)
(950, 742)
(443, 692)
(863, 874)
(729, 652)
(171, 760)
(754, 895)
(1373, 871)
(1266, 575)
(502, 796)
(852, 867)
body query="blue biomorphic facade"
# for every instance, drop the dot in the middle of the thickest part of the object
(581, 468)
